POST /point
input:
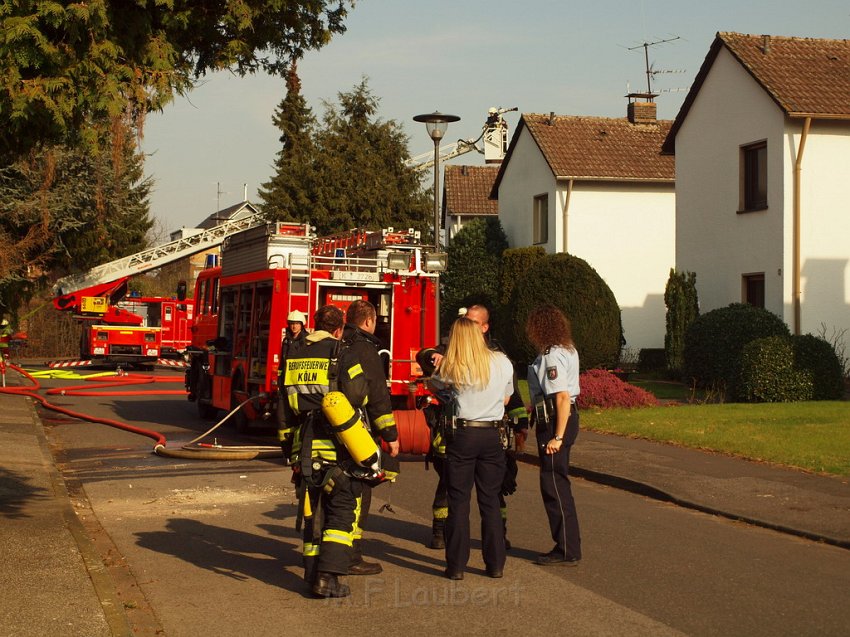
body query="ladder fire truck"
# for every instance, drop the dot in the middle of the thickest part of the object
(267, 272)
(121, 329)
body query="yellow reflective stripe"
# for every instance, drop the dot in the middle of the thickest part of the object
(441, 513)
(355, 371)
(358, 531)
(382, 422)
(518, 412)
(340, 537)
(504, 512)
(311, 550)
(292, 399)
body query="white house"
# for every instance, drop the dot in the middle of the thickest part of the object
(466, 196)
(600, 189)
(763, 190)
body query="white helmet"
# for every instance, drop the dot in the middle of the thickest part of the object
(296, 317)
(4, 323)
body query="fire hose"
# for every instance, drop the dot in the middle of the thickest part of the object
(193, 450)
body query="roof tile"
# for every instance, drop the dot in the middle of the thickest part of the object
(468, 190)
(602, 148)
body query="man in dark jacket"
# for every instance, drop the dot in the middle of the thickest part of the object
(359, 338)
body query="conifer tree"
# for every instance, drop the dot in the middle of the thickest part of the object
(290, 193)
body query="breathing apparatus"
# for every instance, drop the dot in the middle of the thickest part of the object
(351, 432)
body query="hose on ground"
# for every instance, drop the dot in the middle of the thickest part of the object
(192, 450)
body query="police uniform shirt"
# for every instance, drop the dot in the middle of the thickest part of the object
(555, 371)
(487, 403)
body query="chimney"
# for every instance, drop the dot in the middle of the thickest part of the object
(464, 170)
(551, 117)
(765, 44)
(641, 112)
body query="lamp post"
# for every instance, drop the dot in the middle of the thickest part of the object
(436, 123)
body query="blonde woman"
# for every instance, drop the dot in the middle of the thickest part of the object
(481, 382)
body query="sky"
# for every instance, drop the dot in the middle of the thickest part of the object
(205, 151)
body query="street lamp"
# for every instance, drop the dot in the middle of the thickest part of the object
(436, 123)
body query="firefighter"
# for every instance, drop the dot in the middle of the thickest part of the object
(516, 412)
(358, 336)
(328, 480)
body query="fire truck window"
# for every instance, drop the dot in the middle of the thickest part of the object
(299, 285)
(169, 314)
(214, 296)
(203, 300)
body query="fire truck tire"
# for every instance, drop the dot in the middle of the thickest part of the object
(240, 418)
(204, 399)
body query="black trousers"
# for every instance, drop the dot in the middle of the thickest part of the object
(441, 497)
(474, 457)
(556, 490)
(328, 544)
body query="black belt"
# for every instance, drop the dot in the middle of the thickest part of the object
(482, 424)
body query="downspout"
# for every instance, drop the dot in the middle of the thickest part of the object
(567, 214)
(795, 266)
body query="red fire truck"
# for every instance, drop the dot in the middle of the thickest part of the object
(118, 328)
(269, 271)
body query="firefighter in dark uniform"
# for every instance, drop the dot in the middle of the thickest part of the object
(480, 382)
(358, 336)
(553, 382)
(517, 415)
(328, 481)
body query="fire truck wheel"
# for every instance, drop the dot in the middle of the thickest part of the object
(204, 399)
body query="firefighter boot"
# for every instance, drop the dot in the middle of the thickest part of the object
(310, 564)
(359, 566)
(438, 537)
(328, 585)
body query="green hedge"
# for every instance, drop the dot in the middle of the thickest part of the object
(818, 357)
(714, 343)
(768, 374)
(572, 285)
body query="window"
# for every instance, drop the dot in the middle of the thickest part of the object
(752, 289)
(754, 177)
(541, 219)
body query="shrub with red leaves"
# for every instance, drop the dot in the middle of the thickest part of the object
(601, 388)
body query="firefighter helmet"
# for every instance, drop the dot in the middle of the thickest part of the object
(296, 317)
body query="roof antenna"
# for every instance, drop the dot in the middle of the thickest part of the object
(650, 70)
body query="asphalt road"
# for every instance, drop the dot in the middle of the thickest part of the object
(209, 547)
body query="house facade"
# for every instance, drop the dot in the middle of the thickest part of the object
(599, 189)
(762, 192)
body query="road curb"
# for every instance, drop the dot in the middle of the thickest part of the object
(104, 587)
(647, 490)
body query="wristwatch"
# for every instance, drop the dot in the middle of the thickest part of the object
(559, 438)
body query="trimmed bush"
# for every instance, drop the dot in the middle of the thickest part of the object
(515, 265)
(680, 297)
(818, 357)
(714, 343)
(768, 374)
(601, 388)
(576, 288)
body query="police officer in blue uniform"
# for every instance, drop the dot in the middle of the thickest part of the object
(480, 382)
(553, 382)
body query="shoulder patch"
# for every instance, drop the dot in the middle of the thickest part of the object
(552, 373)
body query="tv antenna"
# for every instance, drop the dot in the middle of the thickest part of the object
(651, 71)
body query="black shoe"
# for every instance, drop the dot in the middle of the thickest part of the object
(365, 568)
(327, 585)
(494, 573)
(457, 575)
(556, 557)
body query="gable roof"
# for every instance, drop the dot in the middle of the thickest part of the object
(597, 148)
(805, 77)
(236, 211)
(467, 190)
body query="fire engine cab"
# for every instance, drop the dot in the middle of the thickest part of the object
(267, 272)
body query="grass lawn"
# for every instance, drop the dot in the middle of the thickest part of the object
(812, 435)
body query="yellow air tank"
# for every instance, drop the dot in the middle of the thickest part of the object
(351, 431)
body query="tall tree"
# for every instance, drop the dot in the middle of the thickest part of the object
(290, 193)
(67, 70)
(363, 179)
(64, 210)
